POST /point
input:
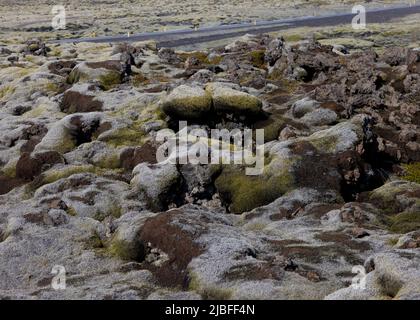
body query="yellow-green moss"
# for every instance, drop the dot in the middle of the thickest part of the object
(34, 113)
(199, 55)
(272, 129)
(110, 80)
(257, 58)
(6, 91)
(10, 169)
(293, 37)
(126, 250)
(208, 293)
(404, 222)
(109, 161)
(121, 249)
(189, 106)
(125, 137)
(325, 144)
(56, 52)
(65, 172)
(94, 242)
(52, 87)
(412, 172)
(71, 211)
(248, 192)
(392, 241)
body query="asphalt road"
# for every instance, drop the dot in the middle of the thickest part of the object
(175, 38)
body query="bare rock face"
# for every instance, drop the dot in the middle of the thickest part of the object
(335, 206)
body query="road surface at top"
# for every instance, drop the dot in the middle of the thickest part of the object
(175, 38)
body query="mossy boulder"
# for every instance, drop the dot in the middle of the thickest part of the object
(228, 100)
(187, 102)
(107, 73)
(339, 138)
(126, 245)
(242, 193)
(157, 182)
(397, 196)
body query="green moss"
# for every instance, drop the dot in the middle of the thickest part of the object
(110, 80)
(257, 58)
(392, 241)
(412, 172)
(56, 52)
(325, 144)
(73, 77)
(94, 241)
(9, 169)
(34, 113)
(199, 55)
(71, 211)
(109, 161)
(293, 37)
(55, 175)
(272, 129)
(52, 88)
(245, 193)
(188, 107)
(214, 293)
(125, 137)
(404, 222)
(127, 250)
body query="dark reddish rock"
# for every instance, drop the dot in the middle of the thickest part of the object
(62, 67)
(28, 167)
(161, 232)
(8, 183)
(75, 102)
(131, 157)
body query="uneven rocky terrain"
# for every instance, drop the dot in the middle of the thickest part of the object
(80, 186)
(105, 17)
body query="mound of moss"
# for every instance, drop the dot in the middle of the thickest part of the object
(187, 102)
(243, 193)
